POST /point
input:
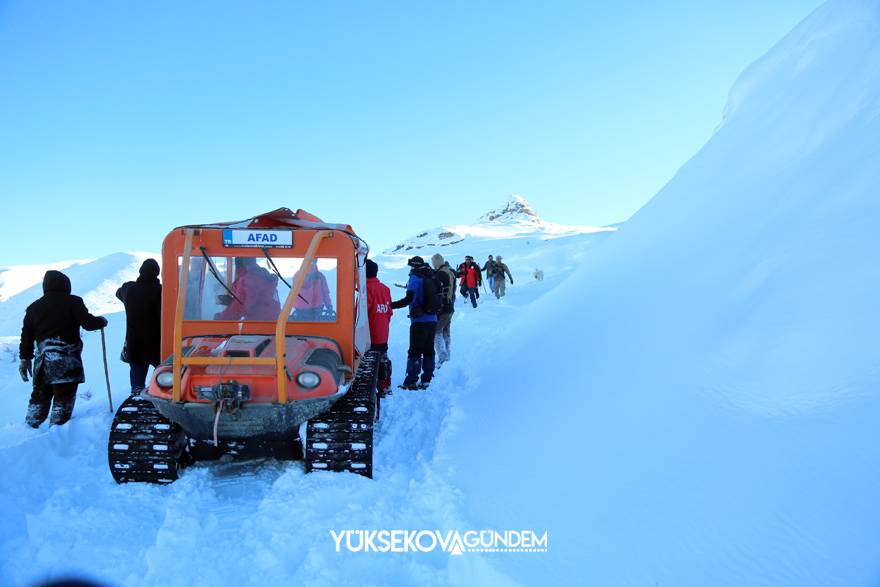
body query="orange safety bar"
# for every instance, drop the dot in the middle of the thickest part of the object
(280, 338)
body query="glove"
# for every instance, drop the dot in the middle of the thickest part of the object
(24, 369)
(104, 320)
(511, 282)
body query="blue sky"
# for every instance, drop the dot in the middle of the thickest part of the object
(121, 120)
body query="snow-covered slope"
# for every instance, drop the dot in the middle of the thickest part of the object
(515, 219)
(701, 400)
(514, 231)
(695, 405)
(95, 280)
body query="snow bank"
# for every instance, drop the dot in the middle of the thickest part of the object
(698, 405)
(96, 281)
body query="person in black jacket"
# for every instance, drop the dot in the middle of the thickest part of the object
(52, 323)
(143, 323)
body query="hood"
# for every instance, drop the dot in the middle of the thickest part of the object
(150, 269)
(422, 271)
(55, 281)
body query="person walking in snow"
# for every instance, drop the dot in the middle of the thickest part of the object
(52, 323)
(489, 271)
(379, 315)
(443, 334)
(501, 270)
(423, 323)
(143, 323)
(471, 279)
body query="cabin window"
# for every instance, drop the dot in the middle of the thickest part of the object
(249, 289)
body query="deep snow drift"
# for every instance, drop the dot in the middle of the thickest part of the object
(698, 405)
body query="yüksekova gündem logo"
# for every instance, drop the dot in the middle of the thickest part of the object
(453, 542)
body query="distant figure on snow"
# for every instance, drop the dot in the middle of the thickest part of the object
(471, 279)
(143, 323)
(52, 323)
(501, 269)
(489, 271)
(539, 275)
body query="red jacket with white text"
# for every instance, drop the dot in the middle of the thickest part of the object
(378, 310)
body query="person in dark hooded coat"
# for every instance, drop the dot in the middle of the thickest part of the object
(52, 323)
(143, 323)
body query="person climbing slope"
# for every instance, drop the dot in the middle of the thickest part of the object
(489, 271)
(471, 279)
(500, 269)
(379, 313)
(423, 298)
(52, 323)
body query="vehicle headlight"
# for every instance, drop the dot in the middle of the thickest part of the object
(308, 379)
(165, 379)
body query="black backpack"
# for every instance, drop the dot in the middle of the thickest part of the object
(432, 293)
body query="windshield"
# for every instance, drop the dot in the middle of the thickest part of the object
(251, 290)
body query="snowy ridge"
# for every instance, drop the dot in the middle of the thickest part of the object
(516, 219)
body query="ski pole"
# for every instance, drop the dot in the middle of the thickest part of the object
(106, 370)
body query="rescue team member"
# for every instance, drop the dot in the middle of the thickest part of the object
(379, 313)
(313, 303)
(52, 323)
(471, 279)
(421, 356)
(255, 293)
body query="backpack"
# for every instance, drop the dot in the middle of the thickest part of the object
(432, 294)
(449, 288)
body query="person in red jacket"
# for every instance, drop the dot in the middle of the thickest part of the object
(314, 303)
(379, 313)
(255, 294)
(471, 279)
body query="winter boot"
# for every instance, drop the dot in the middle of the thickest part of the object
(413, 368)
(62, 405)
(37, 413)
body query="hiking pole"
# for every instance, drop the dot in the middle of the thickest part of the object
(106, 370)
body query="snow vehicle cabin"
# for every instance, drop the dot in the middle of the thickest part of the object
(265, 343)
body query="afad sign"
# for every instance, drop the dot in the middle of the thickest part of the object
(277, 239)
(453, 542)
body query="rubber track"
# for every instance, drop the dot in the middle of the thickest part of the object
(144, 447)
(341, 439)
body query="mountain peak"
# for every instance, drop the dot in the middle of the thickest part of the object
(517, 209)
